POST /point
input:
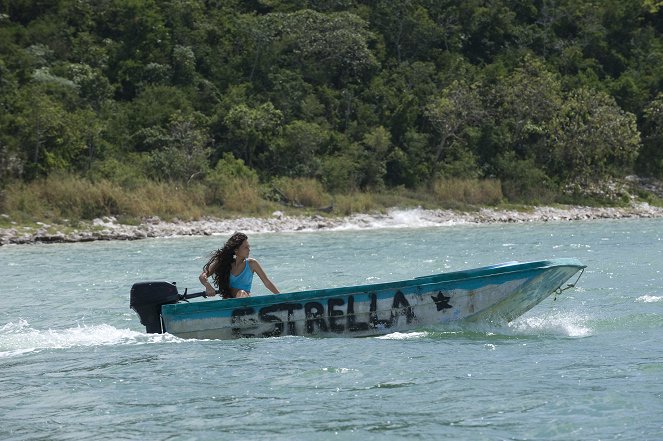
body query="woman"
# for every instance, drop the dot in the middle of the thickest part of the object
(232, 270)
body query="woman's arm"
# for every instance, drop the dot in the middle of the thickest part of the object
(255, 266)
(209, 289)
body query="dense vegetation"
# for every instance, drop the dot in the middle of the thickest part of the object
(546, 97)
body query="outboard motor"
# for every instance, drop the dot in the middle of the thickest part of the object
(148, 297)
(146, 300)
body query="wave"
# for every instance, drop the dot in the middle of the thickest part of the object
(404, 335)
(556, 324)
(649, 299)
(566, 324)
(398, 218)
(20, 338)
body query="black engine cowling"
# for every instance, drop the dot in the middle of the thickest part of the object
(147, 299)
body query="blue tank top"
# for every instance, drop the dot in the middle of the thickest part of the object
(244, 280)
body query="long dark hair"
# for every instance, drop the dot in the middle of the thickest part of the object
(224, 259)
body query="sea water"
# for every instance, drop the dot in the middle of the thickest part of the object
(75, 362)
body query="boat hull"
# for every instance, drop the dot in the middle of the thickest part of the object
(495, 294)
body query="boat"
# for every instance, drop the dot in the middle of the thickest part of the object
(495, 294)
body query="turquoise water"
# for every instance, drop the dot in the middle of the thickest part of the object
(76, 364)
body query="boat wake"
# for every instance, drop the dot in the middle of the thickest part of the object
(560, 324)
(20, 338)
(404, 335)
(566, 324)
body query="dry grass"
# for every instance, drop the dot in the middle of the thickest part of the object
(74, 198)
(356, 203)
(306, 192)
(453, 192)
(242, 195)
(69, 197)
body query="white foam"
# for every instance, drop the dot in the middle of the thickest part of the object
(403, 336)
(567, 324)
(396, 218)
(9, 354)
(649, 299)
(19, 338)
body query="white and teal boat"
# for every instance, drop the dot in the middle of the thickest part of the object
(494, 294)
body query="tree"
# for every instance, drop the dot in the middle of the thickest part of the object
(182, 154)
(184, 65)
(223, 182)
(48, 125)
(11, 163)
(526, 101)
(398, 95)
(451, 114)
(331, 47)
(376, 146)
(151, 112)
(136, 34)
(653, 6)
(650, 160)
(252, 127)
(407, 28)
(296, 151)
(592, 138)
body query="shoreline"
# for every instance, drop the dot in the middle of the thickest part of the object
(108, 228)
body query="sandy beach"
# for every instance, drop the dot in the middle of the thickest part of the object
(109, 229)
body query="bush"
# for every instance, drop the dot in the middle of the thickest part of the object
(223, 179)
(524, 182)
(355, 203)
(233, 185)
(128, 174)
(340, 174)
(164, 200)
(468, 191)
(242, 195)
(302, 192)
(60, 197)
(296, 151)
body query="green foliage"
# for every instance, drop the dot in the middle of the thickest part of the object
(523, 181)
(650, 160)
(340, 173)
(653, 6)
(333, 46)
(372, 165)
(593, 138)
(296, 151)
(453, 115)
(151, 112)
(252, 127)
(130, 173)
(184, 65)
(359, 96)
(527, 100)
(181, 153)
(231, 183)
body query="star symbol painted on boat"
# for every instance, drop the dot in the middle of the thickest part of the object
(441, 301)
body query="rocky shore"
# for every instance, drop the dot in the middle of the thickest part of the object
(109, 229)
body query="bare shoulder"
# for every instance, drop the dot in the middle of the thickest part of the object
(253, 264)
